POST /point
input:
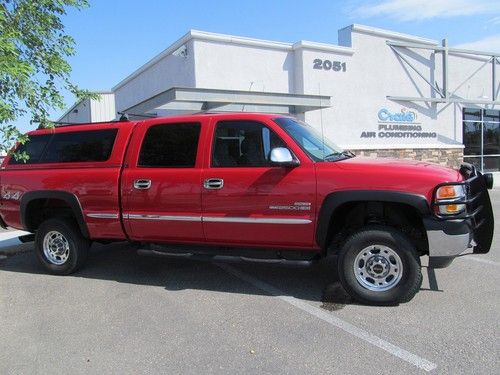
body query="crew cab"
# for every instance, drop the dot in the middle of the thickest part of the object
(256, 187)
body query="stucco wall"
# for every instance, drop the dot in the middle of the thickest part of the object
(80, 113)
(170, 71)
(373, 72)
(225, 65)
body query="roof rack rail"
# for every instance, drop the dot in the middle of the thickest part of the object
(125, 115)
(59, 124)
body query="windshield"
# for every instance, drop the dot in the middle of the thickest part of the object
(312, 143)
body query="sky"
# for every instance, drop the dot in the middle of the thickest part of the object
(115, 37)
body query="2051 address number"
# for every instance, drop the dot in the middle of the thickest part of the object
(336, 66)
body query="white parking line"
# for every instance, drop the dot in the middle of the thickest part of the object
(12, 234)
(482, 260)
(414, 359)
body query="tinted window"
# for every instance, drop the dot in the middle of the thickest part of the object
(491, 138)
(170, 145)
(472, 114)
(85, 146)
(243, 144)
(33, 147)
(472, 138)
(492, 115)
(482, 138)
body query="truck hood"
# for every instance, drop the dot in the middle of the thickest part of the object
(360, 173)
(404, 167)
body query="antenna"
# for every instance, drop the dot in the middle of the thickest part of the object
(249, 89)
(321, 120)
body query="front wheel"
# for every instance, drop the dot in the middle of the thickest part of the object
(379, 266)
(60, 246)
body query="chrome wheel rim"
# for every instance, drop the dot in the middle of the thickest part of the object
(378, 268)
(55, 248)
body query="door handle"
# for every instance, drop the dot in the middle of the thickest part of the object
(142, 184)
(213, 183)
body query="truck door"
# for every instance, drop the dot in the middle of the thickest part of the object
(161, 183)
(249, 201)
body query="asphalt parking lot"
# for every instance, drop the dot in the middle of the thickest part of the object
(125, 313)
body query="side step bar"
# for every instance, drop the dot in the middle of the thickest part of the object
(27, 238)
(227, 258)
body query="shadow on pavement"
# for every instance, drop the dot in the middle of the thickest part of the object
(120, 263)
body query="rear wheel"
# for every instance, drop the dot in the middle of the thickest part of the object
(60, 246)
(378, 265)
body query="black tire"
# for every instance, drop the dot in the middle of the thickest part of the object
(74, 247)
(390, 249)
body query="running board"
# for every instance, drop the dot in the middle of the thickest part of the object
(27, 238)
(226, 258)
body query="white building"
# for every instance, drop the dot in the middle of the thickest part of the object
(377, 93)
(91, 110)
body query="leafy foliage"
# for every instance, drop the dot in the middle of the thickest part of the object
(33, 66)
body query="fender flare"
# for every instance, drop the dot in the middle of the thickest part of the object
(337, 199)
(69, 198)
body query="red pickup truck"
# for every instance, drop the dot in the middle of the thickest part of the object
(257, 187)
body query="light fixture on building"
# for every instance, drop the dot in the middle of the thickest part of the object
(182, 51)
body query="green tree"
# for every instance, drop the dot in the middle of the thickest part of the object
(33, 64)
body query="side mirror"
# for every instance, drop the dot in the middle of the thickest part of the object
(283, 157)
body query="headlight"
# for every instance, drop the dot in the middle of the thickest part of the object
(453, 195)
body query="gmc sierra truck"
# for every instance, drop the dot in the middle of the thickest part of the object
(256, 187)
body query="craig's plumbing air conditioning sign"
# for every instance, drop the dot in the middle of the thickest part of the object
(402, 124)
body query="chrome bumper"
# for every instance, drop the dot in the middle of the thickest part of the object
(448, 237)
(447, 240)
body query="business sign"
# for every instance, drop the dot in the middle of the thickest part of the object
(384, 115)
(402, 124)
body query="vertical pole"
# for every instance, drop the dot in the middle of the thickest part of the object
(482, 140)
(493, 78)
(445, 68)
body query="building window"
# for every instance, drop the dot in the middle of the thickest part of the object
(482, 138)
